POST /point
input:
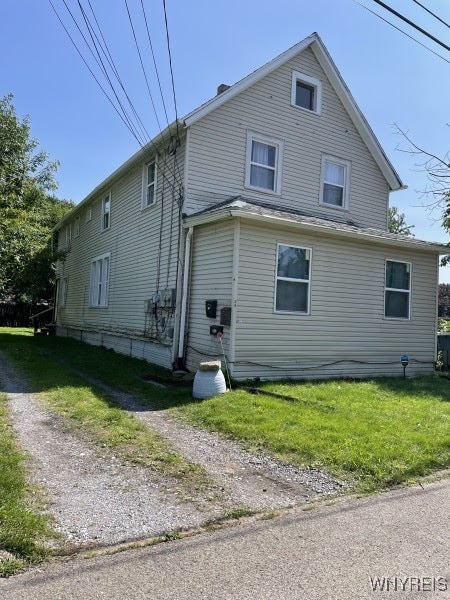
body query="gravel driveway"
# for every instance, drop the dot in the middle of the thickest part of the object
(96, 499)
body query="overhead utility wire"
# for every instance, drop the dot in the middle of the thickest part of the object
(174, 170)
(412, 24)
(142, 65)
(171, 70)
(92, 34)
(154, 63)
(146, 138)
(401, 31)
(92, 72)
(124, 116)
(432, 13)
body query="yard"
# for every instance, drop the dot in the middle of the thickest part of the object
(374, 434)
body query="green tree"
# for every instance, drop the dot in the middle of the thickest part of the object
(397, 222)
(28, 210)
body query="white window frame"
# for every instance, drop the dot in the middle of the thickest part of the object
(146, 184)
(62, 292)
(409, 291)
(77, 227)
(106, 198)
(99, 286)
(347, 175)
(88, 215)
(68, 235)
(310, 82)
(252, 136)
(308, 281)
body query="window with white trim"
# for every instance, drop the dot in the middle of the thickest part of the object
(106, 211)
(397, 293)
(77, 227)
(88, 214)
(149, 184)
(264, 163)
(306, 92)
(293, 279)
(335, 182)
(68, 235)
(98, 293)
(62, 292)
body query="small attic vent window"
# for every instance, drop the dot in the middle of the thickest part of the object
(223, 87)
(306, 92)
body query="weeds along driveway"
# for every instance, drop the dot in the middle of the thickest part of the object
(97, 498)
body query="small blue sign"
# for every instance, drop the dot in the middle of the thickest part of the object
(404, 359)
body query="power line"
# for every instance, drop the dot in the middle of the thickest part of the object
(412, 24)
(91, 72)
(402, 31)
(142, 64)
(171, 70)
(154, 62)
(98, 46)
(432, 13)
(92, 34)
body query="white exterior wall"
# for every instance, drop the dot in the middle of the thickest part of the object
(211, 279)
(346, 322)
(138, 267)
(217, 149)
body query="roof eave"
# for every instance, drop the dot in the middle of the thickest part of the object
(340, 87)
(149, 148)
(361, 235)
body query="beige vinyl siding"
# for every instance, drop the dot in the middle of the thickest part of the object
(346, 322)
(133, 241)
(217, 149)
(211, 279)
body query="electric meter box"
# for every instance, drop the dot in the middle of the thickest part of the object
(211, 309)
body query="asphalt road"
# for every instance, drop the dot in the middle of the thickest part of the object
(332, 552)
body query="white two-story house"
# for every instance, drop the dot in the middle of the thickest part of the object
(261, 215)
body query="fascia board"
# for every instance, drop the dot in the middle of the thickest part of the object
(247, 81)
(362, 236)
(148, 149)
(355, 113)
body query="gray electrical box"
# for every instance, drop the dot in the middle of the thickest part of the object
(168, 298)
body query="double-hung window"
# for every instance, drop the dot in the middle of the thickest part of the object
(293, 279)
(397, 294)
(68, 235)
(77, 227)
(98, 296)
(106, 211)
(149, 184)
(335, 182)
(306, 92)
(264, 163)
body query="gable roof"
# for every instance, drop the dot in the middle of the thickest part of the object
(267, 214)
(326, 62)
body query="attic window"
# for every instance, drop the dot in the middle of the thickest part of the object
(306, 92)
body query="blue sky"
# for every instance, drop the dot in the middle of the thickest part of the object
(393, 79)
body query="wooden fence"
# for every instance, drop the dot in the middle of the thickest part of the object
(18, 315)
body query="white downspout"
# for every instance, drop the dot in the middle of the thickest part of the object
(187, 263)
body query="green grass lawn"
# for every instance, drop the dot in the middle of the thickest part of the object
(375, 433)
